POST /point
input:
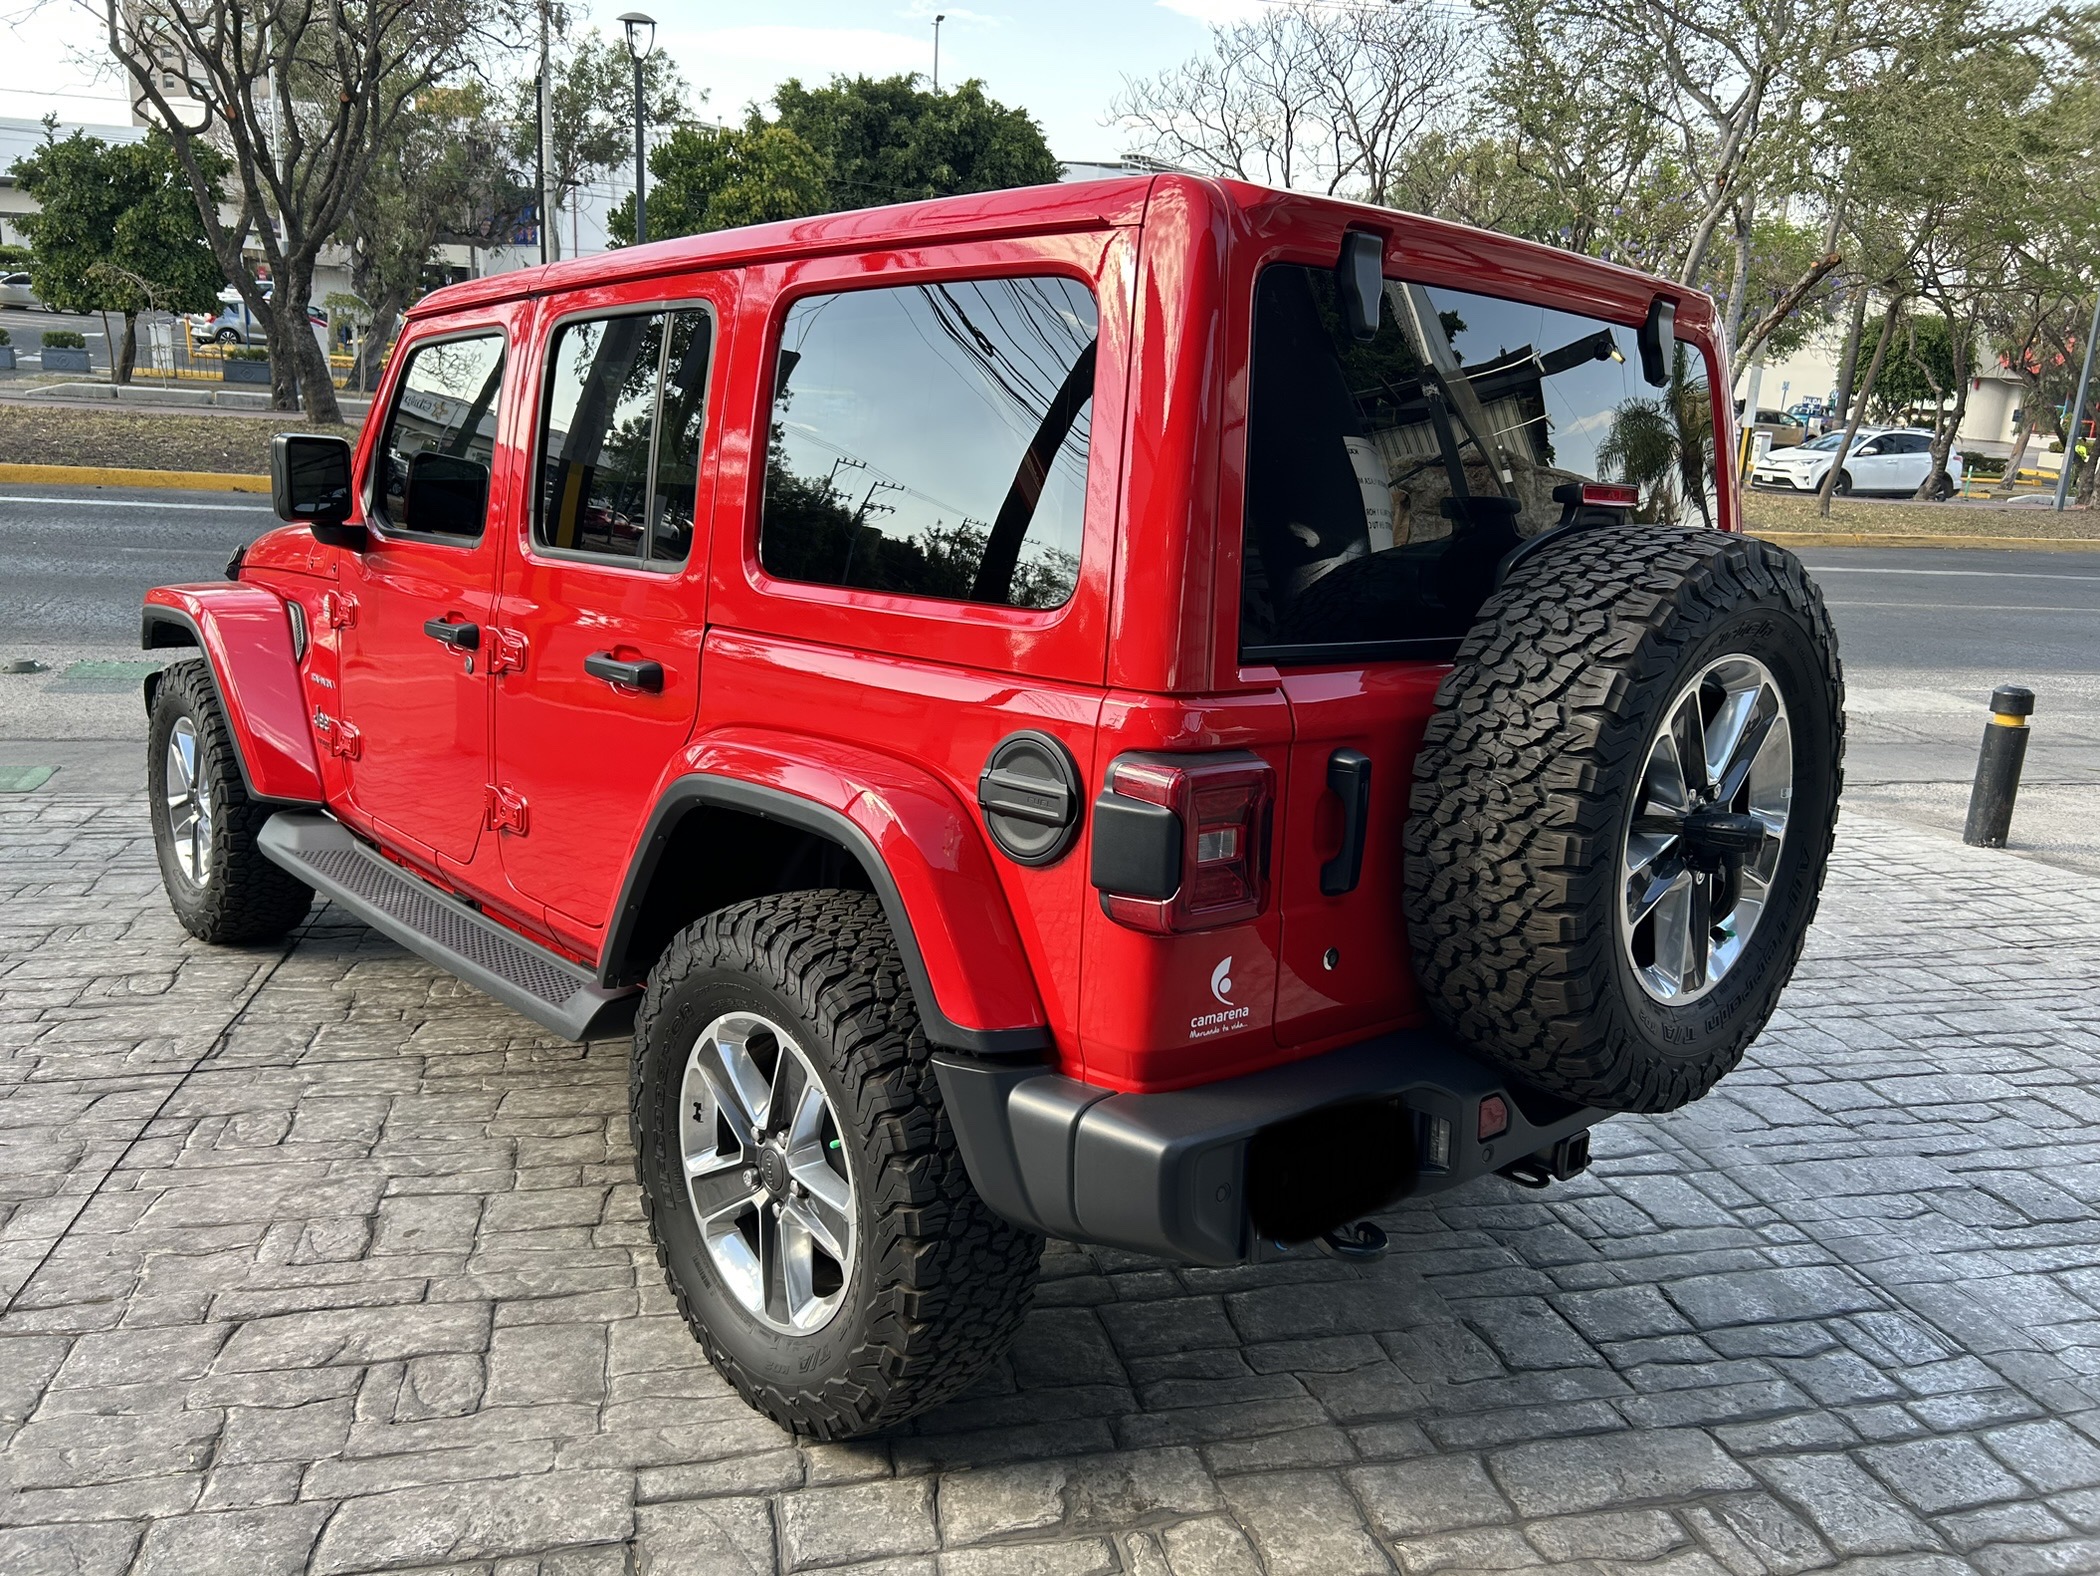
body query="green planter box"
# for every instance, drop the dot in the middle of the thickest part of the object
(245, 371)
(56, 360)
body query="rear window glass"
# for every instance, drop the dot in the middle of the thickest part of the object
(1386, 481)
(931, 440)
(620, 450)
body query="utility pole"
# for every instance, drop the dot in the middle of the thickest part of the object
(2077, 416)
(938, 18)
(543, 209)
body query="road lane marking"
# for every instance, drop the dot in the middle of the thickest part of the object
(139, 503)
(1964, 607)
(1974, 574)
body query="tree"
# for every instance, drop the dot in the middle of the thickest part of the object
(116, 231)
(440, 174)
(858, 142)
(1326, 98)
(590, 115)
(301, 100)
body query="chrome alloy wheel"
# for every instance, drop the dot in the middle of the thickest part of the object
(766, 1173)
(1703, 846)
(189, 803)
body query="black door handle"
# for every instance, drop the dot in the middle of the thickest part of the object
(1349, 775)
(635, 675)
(460, 637)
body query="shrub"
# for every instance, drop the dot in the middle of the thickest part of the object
(4, 340)
(247, 353)
(1976, 464)
(64, 339)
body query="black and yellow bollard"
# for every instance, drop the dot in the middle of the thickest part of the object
(1998, 767)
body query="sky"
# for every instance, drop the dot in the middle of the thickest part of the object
(1063, 60)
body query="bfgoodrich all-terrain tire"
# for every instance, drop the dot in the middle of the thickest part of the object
(205, 826)
(801, 1180)
(1622, 811)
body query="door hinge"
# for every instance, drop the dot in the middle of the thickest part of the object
(506, 651)
(507, 809)
(340, 611)
(339, 736)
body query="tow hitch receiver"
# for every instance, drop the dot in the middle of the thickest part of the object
(1568, 1158)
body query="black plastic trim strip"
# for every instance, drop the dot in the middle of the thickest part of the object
(774, 804)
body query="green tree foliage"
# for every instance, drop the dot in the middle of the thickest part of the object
(590, 115)
(117, 231)
(856, 143)
(439, 175)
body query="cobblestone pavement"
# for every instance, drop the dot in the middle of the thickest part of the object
(316, 1260)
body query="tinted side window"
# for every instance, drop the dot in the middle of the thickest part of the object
(440, 437)
(931, 440)
(620, 445)
(1385, 481)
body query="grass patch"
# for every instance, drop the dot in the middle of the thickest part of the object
(144, 440)
(1766, 511)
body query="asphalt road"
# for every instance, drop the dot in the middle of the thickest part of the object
(27, 328)
(1924, 636)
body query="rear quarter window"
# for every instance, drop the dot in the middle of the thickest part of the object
(931, 440)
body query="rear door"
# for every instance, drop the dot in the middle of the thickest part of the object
(604, 590)
(1385, 483)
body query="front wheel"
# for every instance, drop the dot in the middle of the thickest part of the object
(802, 1183)
(1844, 484)
(205, 827)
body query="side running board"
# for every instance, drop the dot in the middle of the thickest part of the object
(549, 989)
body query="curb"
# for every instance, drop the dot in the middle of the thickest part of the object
(116, 476)
(2028, 544)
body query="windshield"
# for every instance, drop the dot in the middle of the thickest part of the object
(1386, 481)
(1830, 440)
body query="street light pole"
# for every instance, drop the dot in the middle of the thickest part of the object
(639, 46)
(938, 18)
(541, 207)
(2085, 376)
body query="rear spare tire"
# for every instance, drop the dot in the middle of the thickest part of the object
(1622, 811)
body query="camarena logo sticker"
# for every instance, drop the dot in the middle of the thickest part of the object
(1207, 1024)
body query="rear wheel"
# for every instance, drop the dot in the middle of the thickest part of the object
(1844, 484)
(205, 827)
(802, 1183)
(1622, 811)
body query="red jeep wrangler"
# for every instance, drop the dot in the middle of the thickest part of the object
(1162, 713)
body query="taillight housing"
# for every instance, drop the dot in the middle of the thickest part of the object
(1181, 842)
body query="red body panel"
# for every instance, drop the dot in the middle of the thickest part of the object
(961, 917)
(884, 708)
(247, 637)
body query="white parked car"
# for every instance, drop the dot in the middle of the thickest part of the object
(1882, 460)
(15, 291)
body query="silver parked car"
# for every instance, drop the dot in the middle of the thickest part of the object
(15, 291)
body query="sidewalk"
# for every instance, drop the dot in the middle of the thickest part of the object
(315, 1259)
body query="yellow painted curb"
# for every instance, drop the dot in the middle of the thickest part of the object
(2047, 544)
(116, 476)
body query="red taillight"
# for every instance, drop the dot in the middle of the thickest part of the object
(1610, 495)
(1181, 841)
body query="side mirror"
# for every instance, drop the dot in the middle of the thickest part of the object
(1658, 339)
(310, 484)
(1359, 280)
(445, 495)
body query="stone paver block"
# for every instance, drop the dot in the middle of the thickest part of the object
(1304, 1524)
(1405, 1499)
(1855, 1514)
(1553, 1477)
(829, 1526)
(434, 1525)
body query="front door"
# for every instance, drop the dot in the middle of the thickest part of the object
(605, 589)
(414, 713)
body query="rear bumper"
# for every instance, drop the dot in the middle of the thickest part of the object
(1200, 1174)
